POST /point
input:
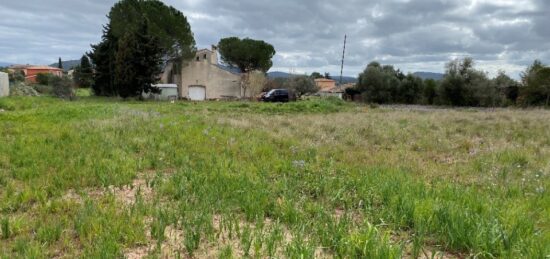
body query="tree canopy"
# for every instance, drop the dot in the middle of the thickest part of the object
(301, 85)
(463, 85)
(536, 85)
(380, 84)
(169, 28)
(246, 54)
(316, 75)
(166, 23)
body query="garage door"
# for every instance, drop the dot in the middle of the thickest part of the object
(197, 93)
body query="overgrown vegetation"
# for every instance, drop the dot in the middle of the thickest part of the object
(319, 178)
(462, 85)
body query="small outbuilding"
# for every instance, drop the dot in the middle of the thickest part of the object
(167, 92)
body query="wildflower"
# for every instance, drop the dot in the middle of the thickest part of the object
(540, 190)
(299, 163)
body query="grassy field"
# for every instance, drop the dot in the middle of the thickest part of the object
(101, 178)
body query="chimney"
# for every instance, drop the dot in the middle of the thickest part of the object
(214, 56)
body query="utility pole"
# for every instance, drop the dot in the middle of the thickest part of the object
(343, 56)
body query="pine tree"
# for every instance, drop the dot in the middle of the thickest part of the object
(138, 62)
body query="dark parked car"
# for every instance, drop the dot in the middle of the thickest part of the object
(279, 95)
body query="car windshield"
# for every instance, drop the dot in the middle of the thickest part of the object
(271, 92)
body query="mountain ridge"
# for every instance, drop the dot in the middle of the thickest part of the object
(67, 65)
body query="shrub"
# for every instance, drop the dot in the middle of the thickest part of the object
(17, 76)
(62, 87)
(43, 89)
(43, 78)
(301, 85)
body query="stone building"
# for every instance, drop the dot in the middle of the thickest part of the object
(203, 78)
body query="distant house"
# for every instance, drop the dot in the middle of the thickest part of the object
(335, 91)
(324, 83)
(31, 71)
(203, 78)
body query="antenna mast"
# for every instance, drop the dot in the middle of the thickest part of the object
(343, 56)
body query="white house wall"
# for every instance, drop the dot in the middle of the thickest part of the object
(4, 84)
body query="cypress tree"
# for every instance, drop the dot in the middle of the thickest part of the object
(59, 64)
(103, 56)
(138, 62)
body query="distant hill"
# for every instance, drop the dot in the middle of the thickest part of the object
(429, 75)
(5, 64)
(278, 74)
(67, 65)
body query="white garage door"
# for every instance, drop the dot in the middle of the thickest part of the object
(197, 93)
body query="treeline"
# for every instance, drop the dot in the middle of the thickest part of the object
(462, 85)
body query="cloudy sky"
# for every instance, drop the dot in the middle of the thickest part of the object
(413, 35)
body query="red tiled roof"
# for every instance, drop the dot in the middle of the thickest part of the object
(44, 68)
(35, 67)
(324, 80)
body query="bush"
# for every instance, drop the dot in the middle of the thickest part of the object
(43, 78)
(62, 88)
(43, 89)
(17, 76)
(301, 85)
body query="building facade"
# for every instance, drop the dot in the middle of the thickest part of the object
(203, 78)
(324, 84)
(31, 71)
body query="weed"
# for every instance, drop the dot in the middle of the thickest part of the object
(5, 227)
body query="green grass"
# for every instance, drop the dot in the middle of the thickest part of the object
(319, 178)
